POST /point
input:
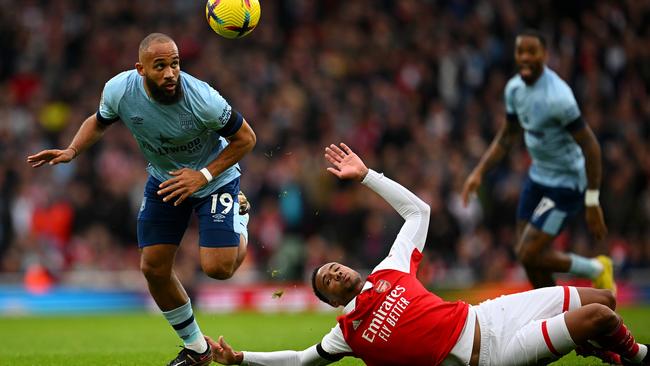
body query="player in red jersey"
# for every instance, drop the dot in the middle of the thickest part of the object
(391, 319)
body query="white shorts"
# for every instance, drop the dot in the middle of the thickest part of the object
(527, 327)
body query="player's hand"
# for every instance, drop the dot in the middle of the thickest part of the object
(347, 165)
(51, 156)
(470, 186)
(185, 182)
(223, 353)
(596, 221)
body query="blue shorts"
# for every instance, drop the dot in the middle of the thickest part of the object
(548, 208)
(161, 222)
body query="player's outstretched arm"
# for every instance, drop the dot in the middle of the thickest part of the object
(223, 353)
(501, 144)
(89, 132)
(347, 165)
(591, 150)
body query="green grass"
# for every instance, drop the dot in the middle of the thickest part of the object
(146, 339)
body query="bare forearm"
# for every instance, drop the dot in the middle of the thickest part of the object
(233, 153)
(91, 131)
(499, 147)
(492, 157)
(591, 150)
(592, 153)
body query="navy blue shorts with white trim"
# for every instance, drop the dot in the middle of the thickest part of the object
(161, 222)
(548, 208)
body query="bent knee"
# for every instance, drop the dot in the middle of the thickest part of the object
(155, 271)
(606, 297)
(219, 271)
(603, 317)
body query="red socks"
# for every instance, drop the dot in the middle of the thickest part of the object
(620, 341)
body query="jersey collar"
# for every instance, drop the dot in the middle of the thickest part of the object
(353, 303)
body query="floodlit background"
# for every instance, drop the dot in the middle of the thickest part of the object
(415, 87)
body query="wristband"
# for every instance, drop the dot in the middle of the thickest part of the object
(75, 151)
(206, 174)
(591, 197)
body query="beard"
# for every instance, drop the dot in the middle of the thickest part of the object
(161, 95)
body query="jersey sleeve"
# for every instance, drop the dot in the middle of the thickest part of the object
(108, 111)
(413, 234)
(565, 107)
(215, 112)
(331, 349)
(333, 344)
(307, 357)
(312, 356)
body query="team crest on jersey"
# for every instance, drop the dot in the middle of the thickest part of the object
(186, 121)
(355, 324)
(382, 286)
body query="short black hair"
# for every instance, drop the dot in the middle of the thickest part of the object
(318, 294)
(530, 32)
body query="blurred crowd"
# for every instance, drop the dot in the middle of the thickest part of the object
(414, 86)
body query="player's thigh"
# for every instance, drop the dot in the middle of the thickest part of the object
(506, 314)
(160, 222)
(501, 319)
(526, 306)
(219, 262)
(537, 342)
(219, 228)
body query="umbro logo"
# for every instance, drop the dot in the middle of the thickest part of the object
(137, 120)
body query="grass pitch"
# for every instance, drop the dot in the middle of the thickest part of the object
(145, 339)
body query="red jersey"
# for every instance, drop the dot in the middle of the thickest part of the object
(394, 320)
(399, 322)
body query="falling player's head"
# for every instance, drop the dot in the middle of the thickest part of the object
(530, 55)
(159, 64)
(336, 284)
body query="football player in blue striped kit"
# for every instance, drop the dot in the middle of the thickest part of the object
(193, 140)
(565, 174)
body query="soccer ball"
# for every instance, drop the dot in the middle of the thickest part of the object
(233, 18)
